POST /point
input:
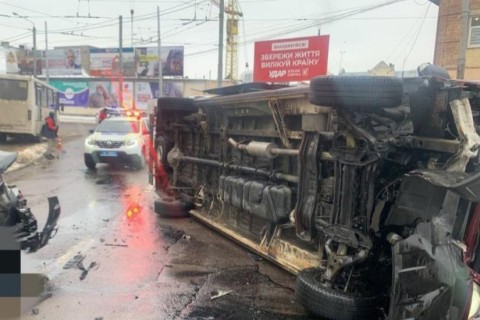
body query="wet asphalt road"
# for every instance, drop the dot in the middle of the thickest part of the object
(141, 267)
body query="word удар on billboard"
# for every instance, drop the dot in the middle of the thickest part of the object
(291, 59)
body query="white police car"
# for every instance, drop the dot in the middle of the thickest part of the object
(118, 140)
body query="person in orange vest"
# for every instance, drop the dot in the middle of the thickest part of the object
(50, 132)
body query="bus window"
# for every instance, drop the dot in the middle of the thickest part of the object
(56, 99)
(13, 89)
(44, 102)
(50, 99)
(38, 95)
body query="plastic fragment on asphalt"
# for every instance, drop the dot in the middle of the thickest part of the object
(218, 294)
(74, 261)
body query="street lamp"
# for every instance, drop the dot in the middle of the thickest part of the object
(34, 47)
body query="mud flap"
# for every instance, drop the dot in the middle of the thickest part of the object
(50, 229)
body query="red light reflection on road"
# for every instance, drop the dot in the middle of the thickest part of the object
(136, 231)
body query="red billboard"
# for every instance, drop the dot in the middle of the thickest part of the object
(295, 59)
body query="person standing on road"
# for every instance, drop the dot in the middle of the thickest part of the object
(102, 115)
(50, 133)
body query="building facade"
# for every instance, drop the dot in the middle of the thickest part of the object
(449, 35)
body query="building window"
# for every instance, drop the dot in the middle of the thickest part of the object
(474, 36)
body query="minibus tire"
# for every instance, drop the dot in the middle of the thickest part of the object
(329, 303)
(172, 209)
(367, 92)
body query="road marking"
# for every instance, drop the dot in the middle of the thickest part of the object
(54, 268)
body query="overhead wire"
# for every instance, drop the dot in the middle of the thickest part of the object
(405, 37)
(415, 39)
(302, 26)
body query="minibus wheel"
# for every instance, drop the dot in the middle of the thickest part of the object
(330, 303)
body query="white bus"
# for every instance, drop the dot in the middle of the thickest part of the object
(25, 101)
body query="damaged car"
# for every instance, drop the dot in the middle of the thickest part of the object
(366, 188)
(16, 218)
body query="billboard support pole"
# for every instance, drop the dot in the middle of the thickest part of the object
(160, 67)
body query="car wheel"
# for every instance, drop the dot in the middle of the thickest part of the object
(139, 162)
(171, 208)
(367, 92)
(89, 162)
(331, 303)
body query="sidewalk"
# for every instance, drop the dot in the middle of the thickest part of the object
(28, 156)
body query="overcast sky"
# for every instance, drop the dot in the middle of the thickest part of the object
(402, 33)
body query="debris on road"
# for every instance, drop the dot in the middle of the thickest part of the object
(218, 294)
(116, 245)
(186, 237)
(74, 261)
(255, 257)
(77, 262)
(35, 311)
(85, 271)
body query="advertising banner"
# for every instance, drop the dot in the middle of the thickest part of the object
(106, 62)
(11, 61)
(62, 62)
(17, 61)
(72, 93)
(103, 94)
(295, 59)
(143, 93)
(26, 60)
(147, 61)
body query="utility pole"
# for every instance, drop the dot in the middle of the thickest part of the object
(220, 44)
(463, 40)
(159, 52)
(33, 50)
(131, 28)
(120, 73)
(341, 59)
(134, 89)
(46, 53)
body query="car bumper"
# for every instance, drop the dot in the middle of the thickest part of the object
(119, 157)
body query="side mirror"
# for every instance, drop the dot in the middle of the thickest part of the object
(91, 131)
